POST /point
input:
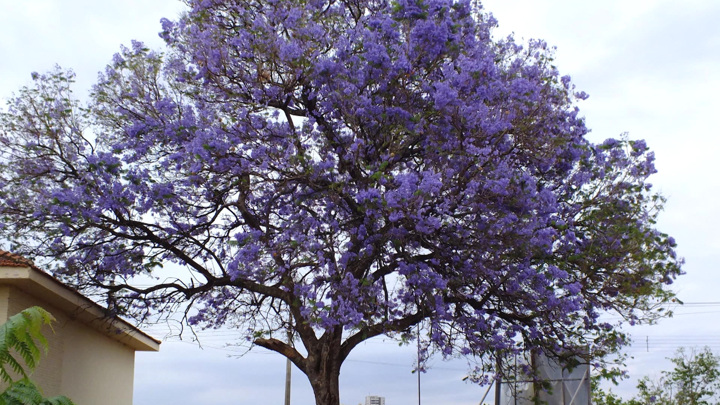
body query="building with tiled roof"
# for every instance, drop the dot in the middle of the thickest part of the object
(91, 357)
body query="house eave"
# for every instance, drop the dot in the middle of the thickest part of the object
(42, 285)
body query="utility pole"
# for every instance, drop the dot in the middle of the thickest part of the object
(288, 370)
(498, 380)
(418, 361)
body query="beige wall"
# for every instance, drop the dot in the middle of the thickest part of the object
(4, 303)
(96, 369)
(82, 363)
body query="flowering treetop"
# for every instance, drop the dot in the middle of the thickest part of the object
(342, 169)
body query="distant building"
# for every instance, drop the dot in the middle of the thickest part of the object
(91, 356)
(374, 400)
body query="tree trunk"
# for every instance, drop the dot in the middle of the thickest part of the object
(326, 389)
(323, 369)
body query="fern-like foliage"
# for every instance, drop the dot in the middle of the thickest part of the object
(25, 392)
(22, 333)
(22, 341)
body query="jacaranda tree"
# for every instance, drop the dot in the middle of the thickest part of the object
(343, 169)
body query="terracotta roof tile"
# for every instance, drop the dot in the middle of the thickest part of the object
(8, 259)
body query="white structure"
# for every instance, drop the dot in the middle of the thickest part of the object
(374, 400)
(567, 387)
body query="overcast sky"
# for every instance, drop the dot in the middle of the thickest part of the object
(652, 69)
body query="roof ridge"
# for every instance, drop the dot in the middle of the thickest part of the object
(9, 259)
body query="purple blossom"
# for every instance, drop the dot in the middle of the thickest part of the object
(344, 172)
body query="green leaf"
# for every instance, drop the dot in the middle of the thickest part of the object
(22, 334)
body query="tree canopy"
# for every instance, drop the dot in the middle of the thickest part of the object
(695, 380)
(343, 169)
